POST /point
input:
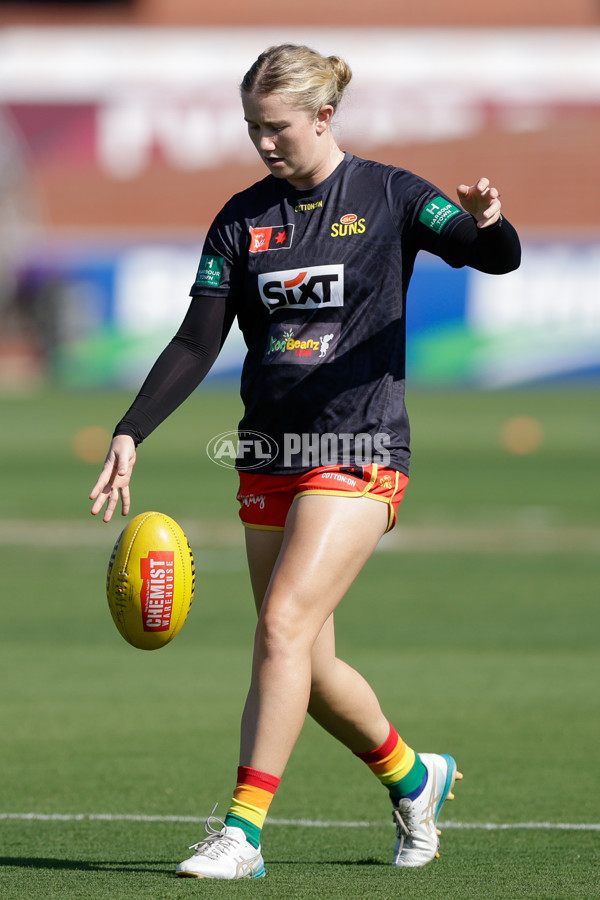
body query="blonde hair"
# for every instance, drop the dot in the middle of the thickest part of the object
(310, 79)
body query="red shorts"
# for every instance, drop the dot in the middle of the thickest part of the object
(265, 500)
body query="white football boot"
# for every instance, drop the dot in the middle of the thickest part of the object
(417, 835)
(224, 853)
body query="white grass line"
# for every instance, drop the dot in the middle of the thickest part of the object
(304, 823)
(532, 826)
(210, 540)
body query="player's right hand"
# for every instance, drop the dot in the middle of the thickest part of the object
(482, 201)
(114, 478)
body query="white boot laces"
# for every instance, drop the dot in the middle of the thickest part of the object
(217, 842)
(402, 819)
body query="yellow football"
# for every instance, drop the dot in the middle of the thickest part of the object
(150, 580)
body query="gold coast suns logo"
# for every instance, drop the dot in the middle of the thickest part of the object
(313, 287)
(348, 224)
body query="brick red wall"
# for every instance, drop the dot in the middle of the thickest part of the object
(399, 13)
(548, 177)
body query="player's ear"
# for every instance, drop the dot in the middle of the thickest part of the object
(324, 117)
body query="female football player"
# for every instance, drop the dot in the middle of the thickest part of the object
(314, 261)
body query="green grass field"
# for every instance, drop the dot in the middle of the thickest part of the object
(477, 623)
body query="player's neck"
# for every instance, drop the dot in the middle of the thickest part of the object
(325, 167)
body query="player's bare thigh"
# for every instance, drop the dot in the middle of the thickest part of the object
(304, 575)
(262, 550)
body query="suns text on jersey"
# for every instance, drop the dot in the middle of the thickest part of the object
(348, 224)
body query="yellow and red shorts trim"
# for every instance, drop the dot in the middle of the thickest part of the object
(265, 500)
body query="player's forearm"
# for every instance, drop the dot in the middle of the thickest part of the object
(174, 376)
(495, 249)
(181, 366)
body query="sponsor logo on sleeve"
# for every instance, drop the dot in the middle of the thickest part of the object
(210, 271)
(315, 287)
(438, 213)
(308, 344)
(271, 237)
(349, 224)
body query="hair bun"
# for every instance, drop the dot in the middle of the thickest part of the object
(342, 71)
(308, 78)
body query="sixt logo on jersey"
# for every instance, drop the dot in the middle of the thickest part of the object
(348, 224)
(271, 237)
(315, 287)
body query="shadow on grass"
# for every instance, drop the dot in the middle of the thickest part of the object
(325, 862)
(82, 865)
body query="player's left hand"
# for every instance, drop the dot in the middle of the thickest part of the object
(115, 477)
(482, 201)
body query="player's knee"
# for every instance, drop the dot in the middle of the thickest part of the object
(280, 632)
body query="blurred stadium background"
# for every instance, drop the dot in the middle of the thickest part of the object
(121, 136)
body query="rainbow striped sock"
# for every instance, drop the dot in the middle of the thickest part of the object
(251, 800)
(397, 766)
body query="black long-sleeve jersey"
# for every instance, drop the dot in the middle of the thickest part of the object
(318, 282)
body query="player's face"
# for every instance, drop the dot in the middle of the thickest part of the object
(292, 142)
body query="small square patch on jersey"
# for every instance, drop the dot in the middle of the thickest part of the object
(210, 271)
(438, 213)
(271, 237)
